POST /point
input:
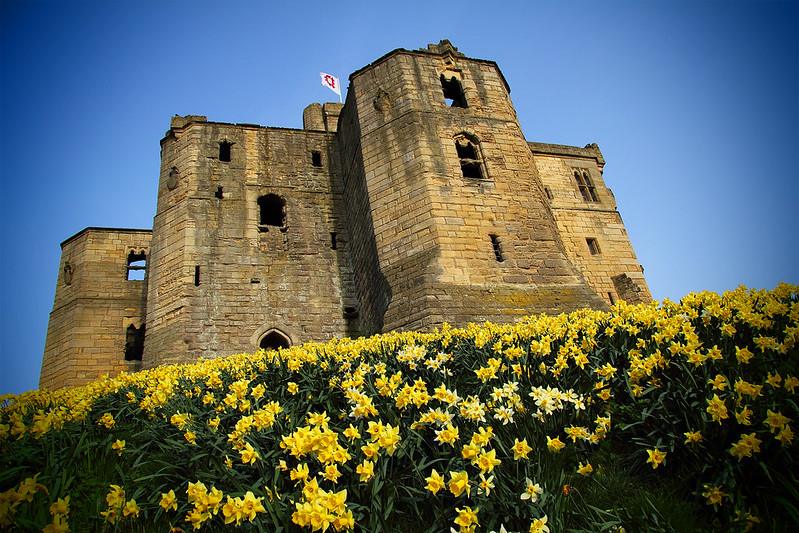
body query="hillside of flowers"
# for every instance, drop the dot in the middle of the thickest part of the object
(659, 417)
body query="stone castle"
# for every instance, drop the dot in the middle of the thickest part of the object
(416, 202)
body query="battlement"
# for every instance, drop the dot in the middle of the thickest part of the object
(416, 202)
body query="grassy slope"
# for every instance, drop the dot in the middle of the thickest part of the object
(622, 384)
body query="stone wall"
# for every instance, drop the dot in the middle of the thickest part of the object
(94, 305)
(579, 219)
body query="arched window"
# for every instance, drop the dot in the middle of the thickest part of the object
(453, 91)
(272, 211)
(468, 149)
(273, 340)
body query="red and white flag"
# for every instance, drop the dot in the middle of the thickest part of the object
(331, 82)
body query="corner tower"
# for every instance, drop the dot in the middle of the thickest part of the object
(448, 210)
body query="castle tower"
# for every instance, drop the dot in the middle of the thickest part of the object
(96, 326)
(248, 246)
(449, 215)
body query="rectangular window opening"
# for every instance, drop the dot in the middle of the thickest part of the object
(316, 158)
(224, 151)
(471, 170)
(593, 246)
(137, 266)
(453, 92)
(469, 156)
(333, 240)
(586, 186)
(219, 193)
(134, 343)
(196, 275)
(497, 245)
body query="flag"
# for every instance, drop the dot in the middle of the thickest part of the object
(331, 82)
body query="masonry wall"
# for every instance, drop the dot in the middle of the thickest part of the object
(579, 220)
(431, 225)
(239, 279)
(94, 305)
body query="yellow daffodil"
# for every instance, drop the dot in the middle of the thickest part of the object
(365, 470)
(555, 445)
(467, 518)
(656, 457)
(118, 446)
(520, 449)
(435, 482)
(168, 501)
(539, 525)
(459, 483)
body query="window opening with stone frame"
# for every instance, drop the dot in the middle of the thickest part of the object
(271, 211)
(585, 185)
(471, 161)
(593, 246)
(274, 340)
(137, 266)
(134, 343)
(224, 151)
(453, 92)
(316, 158)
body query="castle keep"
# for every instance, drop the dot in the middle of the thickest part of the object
(417, 201)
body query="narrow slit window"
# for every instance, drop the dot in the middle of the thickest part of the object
(316, 158)
(224, 151)
(196, 275)
(220, 193)
(272, 211)
(497, 245)
(134, 343)
(333, 240)
(468, 151)
(137, 266)
(548, 193)
(453, 92)
(593, 246)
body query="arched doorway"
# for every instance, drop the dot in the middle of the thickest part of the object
(274, 339)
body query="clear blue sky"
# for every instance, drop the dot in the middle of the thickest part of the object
(694, 105)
